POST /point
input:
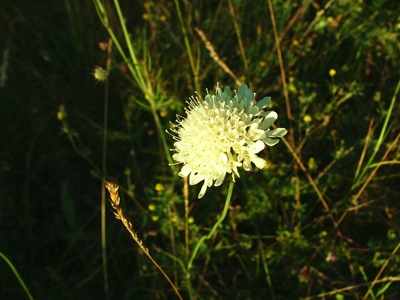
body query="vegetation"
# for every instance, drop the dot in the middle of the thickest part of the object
(88, 90)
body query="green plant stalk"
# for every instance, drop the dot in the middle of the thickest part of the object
(133, 68)
(211, 233)
(104, 169)
(187, 44)
(173, 257)
(162, 137)
(267, 272)
(380, 273)
(381, 135)
(138, 75)
(17, 275)
(102, 13)
(239, 38)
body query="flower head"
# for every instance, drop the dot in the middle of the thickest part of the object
(221, 133)
(99, 73)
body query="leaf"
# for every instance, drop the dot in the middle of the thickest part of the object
(384, 288)
(67, 205)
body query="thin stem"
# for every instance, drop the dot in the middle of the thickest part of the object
(138, 73)
(287, 102)
(380, 272)
(267, 272)
(104, 169)
(187, 44)
(239, 37)
(211, 233)
(186, 203)
(119, 214)
(283, 74)
(17, 275)
(382, 134)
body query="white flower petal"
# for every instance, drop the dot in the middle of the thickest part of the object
(247, 164)
(221, 133)
(258, 161)
(220, 179)
(256, 147)
(202, 191)
(195, 178)
(185, 171)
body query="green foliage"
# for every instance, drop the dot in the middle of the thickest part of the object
(321, 220)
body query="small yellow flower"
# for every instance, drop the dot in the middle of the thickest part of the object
(155, 218)
(262, 64)
(163, 113)
(190, 220)
(307, 118)
(332, 72)
(312, 164)
(151, 207)
(61, 114)
(291, 86)
(159, 187)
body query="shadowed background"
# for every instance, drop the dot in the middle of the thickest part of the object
(340, 63)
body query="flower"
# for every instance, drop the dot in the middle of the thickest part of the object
(332, 72)
(99, 73)
(159, 187)
(222, 133)
(307, 118)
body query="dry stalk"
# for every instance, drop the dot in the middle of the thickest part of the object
(120, 215)
(215, 56)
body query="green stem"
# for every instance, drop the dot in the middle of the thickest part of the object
(17, 275)
(187, 44)
(138, 74)
(381, 137)
(211, 233)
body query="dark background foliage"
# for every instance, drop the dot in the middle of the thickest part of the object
(278, 241)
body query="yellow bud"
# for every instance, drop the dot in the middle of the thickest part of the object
(155, 218)
(100, 74)
(312, 164)
(190, 220)
(262, 64)
(159, 187)
(307, 118)
(61, 114)
(332, 72)
(151, 207)
(163, 113)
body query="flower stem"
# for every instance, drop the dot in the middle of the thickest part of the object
(211, 233)
(21, 281)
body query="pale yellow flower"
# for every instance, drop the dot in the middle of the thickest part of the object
(221, 133)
